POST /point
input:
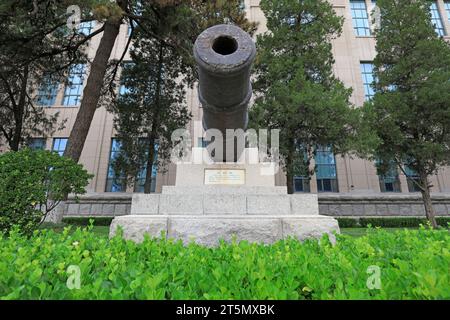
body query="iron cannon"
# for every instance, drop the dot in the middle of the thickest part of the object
(224, 55)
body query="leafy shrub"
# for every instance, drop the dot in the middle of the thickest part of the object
(32, 184)
(413, 265)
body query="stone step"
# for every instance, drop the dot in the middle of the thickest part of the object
(227, 204)
(209, 230)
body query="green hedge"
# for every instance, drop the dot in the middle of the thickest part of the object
(389, 222)
(412, 264)
(82, 221)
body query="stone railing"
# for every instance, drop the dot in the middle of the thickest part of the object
(383, 205)
(98, 204)
(336, 205)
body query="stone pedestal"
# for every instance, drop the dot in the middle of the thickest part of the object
(256, 211)
(209, 229)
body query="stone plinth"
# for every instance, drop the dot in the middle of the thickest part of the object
(207, 214)
(209, 230)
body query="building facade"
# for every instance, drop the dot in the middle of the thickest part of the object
(346, 186)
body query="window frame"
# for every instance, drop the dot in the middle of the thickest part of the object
(72, 87)
(33, 146)
(436, 19)
(114, 184)
(360, 18)
(326, 184)
(59, 150)
(369, 91)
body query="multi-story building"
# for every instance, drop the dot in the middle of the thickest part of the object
(346, 186)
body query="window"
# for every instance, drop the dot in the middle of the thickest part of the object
(302, 184)
(123, 88)
(202, 143)
(242, 5)
(137, 10)
(360, 17)
(85, 28)
(74, 87)
(114, 183)
(436, 19)
(59, 145)
(447, 8)
(47, 91)
(37, 143)
(129, 27)
(390, 182)
(368, 79)
(140, 179)
(326, 170)
(413, 179)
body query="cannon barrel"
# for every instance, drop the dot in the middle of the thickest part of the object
(224, 55)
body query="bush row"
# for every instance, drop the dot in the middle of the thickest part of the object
(85, 221)
(409, 264)
(389, 222)
(394, 222)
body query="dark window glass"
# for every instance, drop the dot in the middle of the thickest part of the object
(114, 183)
(368, 79)
(47, 92)
(140, 181)
(326, 170)
(413, 180)
(74, 87)
(37, 144)
(59, 145)
(302, 185)
(360, 17)
(436, 19)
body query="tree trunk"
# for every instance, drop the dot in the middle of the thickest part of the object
(150, 162)
(19, 112)
(290, 173)
(153, 133)
(92, 91)
(426, 196)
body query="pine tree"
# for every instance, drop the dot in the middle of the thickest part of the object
(152, 105)
(192, 16)
(296, 89)
(162, 68)
(410, 112)
(36, 49)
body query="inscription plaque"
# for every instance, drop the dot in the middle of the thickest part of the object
(224, 177)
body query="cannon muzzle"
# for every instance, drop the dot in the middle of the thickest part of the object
(224, 55)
